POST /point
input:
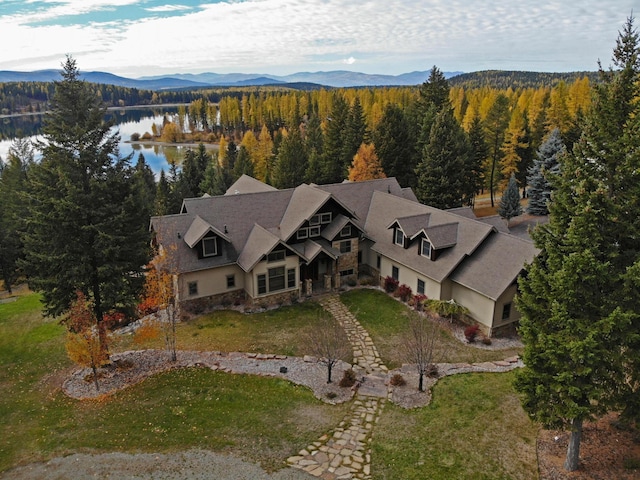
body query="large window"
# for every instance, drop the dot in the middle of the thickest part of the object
(276, 279)
(345, 246)
(425, 248)
(399, 237)
(262, 284)
(209, 247)
(420, 288)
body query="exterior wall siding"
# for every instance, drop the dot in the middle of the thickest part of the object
(211, 282)
(481, 308)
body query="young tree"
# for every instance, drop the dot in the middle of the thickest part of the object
(579, 322)
(366, 165)
(159, 293)
(419, 345)
(328, 342)
(546, 164)
(440, 174)
(83, 343)
(86, 229)
(510, 202)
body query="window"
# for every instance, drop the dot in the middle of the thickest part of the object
(420, 288)
(506, 311)
(231, 281)
(346, 272)
(262, 284)
(276, 279)
(302, 233)
(395, 273)
(291, 278)
(378, 262)
(192, 288)
(325, 217)
(315, 220)
(345, 246)
(425, 248)
(209, 247)
(399, 237)
(346, 231)
(314, 231)
(276, 256)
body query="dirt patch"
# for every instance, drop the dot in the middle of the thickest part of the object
(606, 453)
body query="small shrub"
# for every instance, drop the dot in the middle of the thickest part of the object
(147, 136)
(352, 282)
(149, 330)
(135, 137)
(147, 307)
(390, 284)
(432, 370)
(331, 395)
(418, 301)
(471, 332)
(403, 292)
(397, 380)
(348, 378)
(486, 340)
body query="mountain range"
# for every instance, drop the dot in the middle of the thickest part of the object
(337, 78)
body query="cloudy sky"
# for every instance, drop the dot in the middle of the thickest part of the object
(135, 38)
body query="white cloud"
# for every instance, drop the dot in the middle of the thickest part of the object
(391, 36)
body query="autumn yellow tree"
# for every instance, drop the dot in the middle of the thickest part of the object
(366, 164)
(83, 342)
(159, 293)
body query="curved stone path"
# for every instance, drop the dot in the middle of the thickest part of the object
(346, 454)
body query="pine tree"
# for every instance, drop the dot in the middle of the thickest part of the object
(334, 159)
(477, 157)
(291, 163)
(163, 192)
(495, 123)
(547, 163)
(579, 298)
(441, 173)
(395, 146)
(86, 229)
(510, 202)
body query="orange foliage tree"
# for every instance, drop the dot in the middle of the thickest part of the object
(366, 164)
(83, 341)
(159, 292)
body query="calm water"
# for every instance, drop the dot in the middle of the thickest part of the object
(128, 122)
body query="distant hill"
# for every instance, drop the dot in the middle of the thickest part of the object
(337, 78)
(503, 79)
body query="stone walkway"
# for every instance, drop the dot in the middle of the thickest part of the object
(346, 454)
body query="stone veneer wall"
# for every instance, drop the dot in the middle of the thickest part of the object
(347, 261)
(197, 306)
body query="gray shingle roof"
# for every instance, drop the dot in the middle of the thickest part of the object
(412, 225)
(331, 230)
(443, 236)
(247, 184)
(495, 265)
(258, 244)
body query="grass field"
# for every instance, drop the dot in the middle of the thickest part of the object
(386, 321)
(474, 428)
(259, 418)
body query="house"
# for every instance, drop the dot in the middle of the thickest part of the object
(261, 245)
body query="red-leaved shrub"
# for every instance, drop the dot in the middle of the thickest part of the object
(471, 332)
(390, 284)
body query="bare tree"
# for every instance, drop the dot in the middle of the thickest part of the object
(419, 344)
(328, 342)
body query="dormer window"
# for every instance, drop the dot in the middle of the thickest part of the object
(346, 231)
(399, 237)
(425, 248)
(209, 247)
(276, 256)
(320, 218)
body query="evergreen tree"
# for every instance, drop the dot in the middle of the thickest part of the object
(244, 165)
(335, 159)
(291, 163)
(579, 298)
(355, 132)
(162, 202)
(495, 124)
(477, 157)
(395, 146)
(86, 231)
(13, 179)
(144, 186)
(441, 173)
(547, 163)
(510, 202)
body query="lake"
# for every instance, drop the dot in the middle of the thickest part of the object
(128, 121)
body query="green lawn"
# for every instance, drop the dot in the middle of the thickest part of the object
(259, 418)
(386, 320)
(474, 428)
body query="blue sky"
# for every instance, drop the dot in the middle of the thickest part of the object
(137, 38)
